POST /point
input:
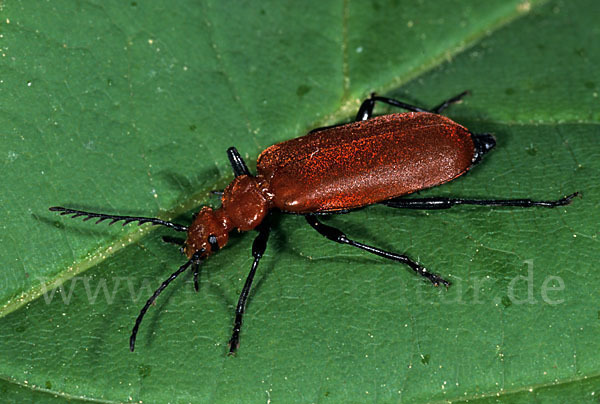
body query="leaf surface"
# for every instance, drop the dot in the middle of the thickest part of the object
(128, 108)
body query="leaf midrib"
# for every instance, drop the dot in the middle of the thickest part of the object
(345, 110)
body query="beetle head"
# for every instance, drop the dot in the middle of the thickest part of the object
(208, 233)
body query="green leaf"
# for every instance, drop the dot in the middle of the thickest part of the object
(128, 107)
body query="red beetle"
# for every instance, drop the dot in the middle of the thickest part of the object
(333, 170)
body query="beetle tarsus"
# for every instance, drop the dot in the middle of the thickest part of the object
(436, 280)
(568, 199)
(234, 343)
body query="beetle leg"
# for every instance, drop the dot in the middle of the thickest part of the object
(448, 102)
(258, 248)
(446, 203)
(366, 108)
(196, 271)
(237, 162)
(336, 235)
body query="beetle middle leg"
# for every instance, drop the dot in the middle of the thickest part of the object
(339, 237)
(366, 108)
(258, 248)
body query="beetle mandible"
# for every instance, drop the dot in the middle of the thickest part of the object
(333, 170)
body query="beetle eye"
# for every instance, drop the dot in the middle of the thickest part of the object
(212, 240)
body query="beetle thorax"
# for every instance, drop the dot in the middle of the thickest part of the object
(245, 205)
(245, 202)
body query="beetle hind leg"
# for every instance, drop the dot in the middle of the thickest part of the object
(339, 237)
(366, 108)
(365, 111)
(445, 104)
(436, 203)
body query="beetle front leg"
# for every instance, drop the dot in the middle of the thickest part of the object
(258, 248)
